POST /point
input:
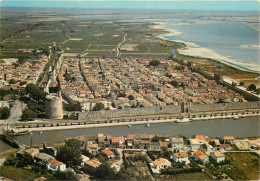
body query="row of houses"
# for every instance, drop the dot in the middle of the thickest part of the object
(162, 163)
(28, 72)
(154, 142)
(124, 83)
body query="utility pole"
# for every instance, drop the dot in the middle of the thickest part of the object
(31, 133)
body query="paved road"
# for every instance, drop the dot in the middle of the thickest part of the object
(119, 45)
(16, 113)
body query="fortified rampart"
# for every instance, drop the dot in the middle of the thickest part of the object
(184, 108)
(53, 107)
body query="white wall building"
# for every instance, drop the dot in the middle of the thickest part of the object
(159, 164)
(194, 144)
(177, 143)
(56, 166)
(217, 156)
(180, 157)
(199, 155)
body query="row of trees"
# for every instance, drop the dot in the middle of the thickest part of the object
(5, 113)
(35, 104)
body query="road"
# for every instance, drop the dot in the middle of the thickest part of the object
(16, 113)
(119, 45)
(120, 161)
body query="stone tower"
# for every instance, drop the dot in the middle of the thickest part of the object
(53, 106)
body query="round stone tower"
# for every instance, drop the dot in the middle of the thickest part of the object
(53, 106)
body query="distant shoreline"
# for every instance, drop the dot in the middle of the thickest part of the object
(171, 32)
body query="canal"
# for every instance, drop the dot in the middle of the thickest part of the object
(243, 127)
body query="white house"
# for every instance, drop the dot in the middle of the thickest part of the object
(56, 166)
(84, 158)
(199, 155)
(200, 138)
(108, 153)
(177, 143)
(155, 146)
(217, 156)
(224, 147)
(180, 157)
(228, 139)
(209, 147)
(159, 164)
(194, 144)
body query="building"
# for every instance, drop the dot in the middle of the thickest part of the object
(84, 158)
(194, 144)
(93, 163)
(199, 155)
(224, 147)
(108, 153)
(200, 138)
(228, 139)
(53, 107)
(55, 165)
(159, 164)
(49, 149)
(155, 146)
(40, 179)
(43, 158)
(92, 148)
(163, 145)
(217, 156)
(177, 143)
(180, 157)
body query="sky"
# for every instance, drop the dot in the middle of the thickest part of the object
(139, 4)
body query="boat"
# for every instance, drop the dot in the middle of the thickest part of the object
(40, 132)
(234, 117)
(184, 120)
(129, 125)
(147, 124)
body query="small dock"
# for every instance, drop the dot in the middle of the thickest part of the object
(12, 141)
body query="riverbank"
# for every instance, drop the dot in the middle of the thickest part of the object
(147, 123)
(194, 50)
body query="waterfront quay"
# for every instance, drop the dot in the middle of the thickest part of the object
(40, 125)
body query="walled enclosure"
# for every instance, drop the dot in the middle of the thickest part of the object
(106, 114)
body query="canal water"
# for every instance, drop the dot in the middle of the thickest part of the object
(243, 127)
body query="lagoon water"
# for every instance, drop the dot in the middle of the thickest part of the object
(243, 127)
(232, 40)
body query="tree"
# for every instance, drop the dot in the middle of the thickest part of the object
(154, 62)
(5, 113)
(105, 172)
(68, 175)
(174, 83)
(36, 93)
(252, 87)
(28, 114)
(24, 160)
(22, 83)
(241, 83)
(12, 81)
(130, 97)
(35, 107)
(70, 154)
(98, 106)
(121, 94)
(155, 139)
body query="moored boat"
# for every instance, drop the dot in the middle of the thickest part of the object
(184, 120)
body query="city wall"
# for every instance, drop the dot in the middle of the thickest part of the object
(107, 114)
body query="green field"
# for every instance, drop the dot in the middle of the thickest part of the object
(184, 176)
(45, 29)
(246, 166)
(15, 173)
